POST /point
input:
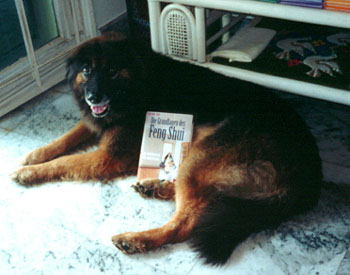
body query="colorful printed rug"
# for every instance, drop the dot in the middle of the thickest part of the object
(311, 53)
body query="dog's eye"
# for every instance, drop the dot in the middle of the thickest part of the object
(86, 71)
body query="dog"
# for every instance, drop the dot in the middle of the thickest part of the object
(252, 165)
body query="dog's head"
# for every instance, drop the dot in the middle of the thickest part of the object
(100, 72)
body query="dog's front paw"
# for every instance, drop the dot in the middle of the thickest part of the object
(131, 243)
(37, 156)
(155, 188)
(146, 188)
(24, 176)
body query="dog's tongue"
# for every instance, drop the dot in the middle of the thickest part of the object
(99, 109)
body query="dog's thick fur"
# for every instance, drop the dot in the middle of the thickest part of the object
(253, 162)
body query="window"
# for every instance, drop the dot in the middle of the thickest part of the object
(36, 37)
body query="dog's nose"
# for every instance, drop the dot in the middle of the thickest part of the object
(93, 98)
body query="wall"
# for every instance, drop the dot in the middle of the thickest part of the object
(108, 10)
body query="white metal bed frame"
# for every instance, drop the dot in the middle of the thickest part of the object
(195, 17)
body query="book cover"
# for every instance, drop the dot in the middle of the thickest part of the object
(166, 142)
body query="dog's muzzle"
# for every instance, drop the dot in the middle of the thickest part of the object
(99, 108)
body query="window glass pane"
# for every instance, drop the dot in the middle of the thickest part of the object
(41, 20)
(11, 42)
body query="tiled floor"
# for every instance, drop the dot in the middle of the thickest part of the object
(65, 228)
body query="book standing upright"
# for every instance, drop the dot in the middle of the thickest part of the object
(166, 142)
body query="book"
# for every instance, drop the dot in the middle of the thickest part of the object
(245, 45)
(165, 144)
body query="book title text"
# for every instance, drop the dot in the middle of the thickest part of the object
(162, 129)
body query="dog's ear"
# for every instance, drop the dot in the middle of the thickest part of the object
(139, 56)
(70, 69)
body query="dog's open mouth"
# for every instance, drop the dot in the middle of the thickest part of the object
(99, 110)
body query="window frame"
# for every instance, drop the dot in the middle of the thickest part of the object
(41, 69)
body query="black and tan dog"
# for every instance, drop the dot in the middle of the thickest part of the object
(253, 162)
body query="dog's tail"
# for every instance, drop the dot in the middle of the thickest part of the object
(228, 221)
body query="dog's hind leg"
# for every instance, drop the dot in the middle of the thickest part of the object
(75, 137)
(155, 188)
(191, 199)
(178, 229)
